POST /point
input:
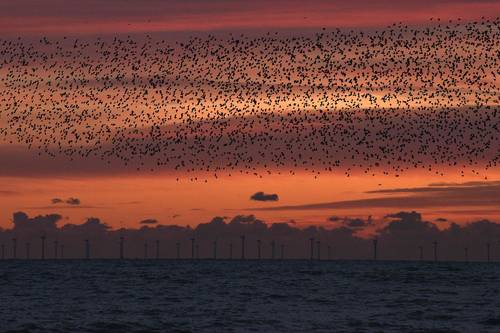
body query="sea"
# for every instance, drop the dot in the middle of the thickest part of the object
(248, 296)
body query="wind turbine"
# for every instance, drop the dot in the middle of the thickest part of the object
(375, 243)
(242, 247)
(87, 249)
(435, 244)
(122, 241)
(311, 240)
(56, 247)
(157, 249)
(43, 246)
(273, 246)
(259, 243)
(192, 248)
(215, 249)
(488, 245)
(14, 248)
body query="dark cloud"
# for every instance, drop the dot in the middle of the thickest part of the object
(472, 195)
(441, 219)
(406, 216)
(149, 221)
(22, 222)
(358, 222)
(355, 223)
(405, 225)
(446, 187)
(70, 201)
(261, 196)
(73, 201)
(92, 227)
(467, 184)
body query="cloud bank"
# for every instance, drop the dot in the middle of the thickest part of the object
(400, 235)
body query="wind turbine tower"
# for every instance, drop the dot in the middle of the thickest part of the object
(14, 248)
(242, 247)
(43, 246)
(311, 240)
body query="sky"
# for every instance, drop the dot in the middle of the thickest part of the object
(123, 196)
(96, 17)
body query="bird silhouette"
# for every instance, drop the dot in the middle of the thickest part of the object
(382, 101)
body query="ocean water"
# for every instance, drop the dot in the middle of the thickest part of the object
(248, 296)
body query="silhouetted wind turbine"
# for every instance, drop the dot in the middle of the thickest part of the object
(259, 243)
(14, 248)
(146, 250)
(192, 248)
(178, 249)
(197, 251)
(435, 243)
(3, 251)
(242, 247)
(62, 251)
(157, 249)
(28, 250)
(87, 249)
(282, 251)
(375, 243)
(273, 246)
(231, 250)
(329, 252)
(488, 245)
(215, 249)
(122, 241)
(43, 246)
(318, 250)
(466, 250)
(311, 240)
(421, 250)
(56, 247)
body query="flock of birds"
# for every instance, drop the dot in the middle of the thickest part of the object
(378, 101)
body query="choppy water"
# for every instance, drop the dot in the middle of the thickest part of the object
(262, 296)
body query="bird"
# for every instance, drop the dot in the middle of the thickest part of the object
(377, 102)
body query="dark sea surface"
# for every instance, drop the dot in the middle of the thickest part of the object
(248, 296)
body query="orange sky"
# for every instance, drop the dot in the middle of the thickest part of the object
(126, 200)
(130, 196)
